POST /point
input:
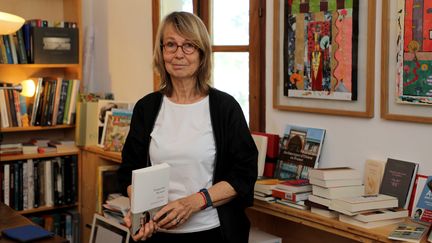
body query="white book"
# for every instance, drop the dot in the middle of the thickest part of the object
(369, 225)
(325, 212)
(338, 192)
(361, 203)
(6, 184)
(381, 214)
(149, 191)
(73, 99)
(336, 183)
(319, 200)
(261, 143)
(49, 199)
(30, 184)
(334, 173)
(3, 110)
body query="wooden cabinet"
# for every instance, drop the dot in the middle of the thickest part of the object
(92, 157)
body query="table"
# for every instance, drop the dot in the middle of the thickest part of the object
(295, 225)
(10, 218)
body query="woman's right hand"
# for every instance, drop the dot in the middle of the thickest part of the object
(146, 230)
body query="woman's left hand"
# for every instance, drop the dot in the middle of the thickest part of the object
(177, 212)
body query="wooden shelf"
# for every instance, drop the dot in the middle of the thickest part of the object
(111, 156)
(60, 65)
(264, 214)
(45, 209)
(34, 156)
(35, 128)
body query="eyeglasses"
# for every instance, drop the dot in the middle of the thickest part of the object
(171, 47)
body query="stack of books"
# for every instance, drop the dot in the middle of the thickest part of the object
(293, 193)
(333, 183)
(263, 189)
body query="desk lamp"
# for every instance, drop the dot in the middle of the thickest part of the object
(9, 24)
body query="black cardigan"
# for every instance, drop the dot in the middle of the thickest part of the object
(236, 155)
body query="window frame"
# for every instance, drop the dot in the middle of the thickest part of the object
(256, 49)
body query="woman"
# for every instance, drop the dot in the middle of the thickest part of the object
(201, 133)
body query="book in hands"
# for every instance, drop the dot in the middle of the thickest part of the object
(27, 233)
(149, 192)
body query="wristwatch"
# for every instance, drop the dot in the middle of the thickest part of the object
(208, 200)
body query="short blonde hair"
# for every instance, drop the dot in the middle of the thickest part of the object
(192, 28)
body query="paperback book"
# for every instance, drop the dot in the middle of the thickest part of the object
(408, 232)
(398, 180)
(300, 150)
(423, 210)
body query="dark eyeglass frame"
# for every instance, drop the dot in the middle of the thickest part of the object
(175, 47)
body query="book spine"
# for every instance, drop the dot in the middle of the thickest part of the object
(30, 184)
(21, 47)
(13, 49)
(6, 184)
(62, 102)
(67, 103)
(36, 183)
(8, 49)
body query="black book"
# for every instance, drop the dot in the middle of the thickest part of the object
(398, 180)
(36, 183)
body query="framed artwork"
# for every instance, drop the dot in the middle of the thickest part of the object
(323, 56)
(406, 68)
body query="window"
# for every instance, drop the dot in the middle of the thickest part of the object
(237, 29)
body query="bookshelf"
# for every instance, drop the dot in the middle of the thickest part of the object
(51, 10)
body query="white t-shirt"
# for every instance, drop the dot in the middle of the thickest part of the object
(183, 138)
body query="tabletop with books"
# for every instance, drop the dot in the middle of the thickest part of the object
(306, 217)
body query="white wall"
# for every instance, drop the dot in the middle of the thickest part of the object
(350, 141)
(123, 47)
(123, 66)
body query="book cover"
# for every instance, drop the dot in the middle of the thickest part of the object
(419, 183)
(296, 185)
(27, 233)
(105, 106)
(116, 129)
(300, 151)
(373, 173)
(408, 232)
(423, 210)
(149, 191)
(398, 180)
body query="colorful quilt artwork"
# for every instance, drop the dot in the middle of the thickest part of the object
(414, 59)
(320, 49)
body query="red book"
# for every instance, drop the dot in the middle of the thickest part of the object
(298, 185)
(272, 144)
(291, 196)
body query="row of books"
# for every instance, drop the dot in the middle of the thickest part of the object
(54, 103)
(39, 182)
(17, 48)
(65, 224)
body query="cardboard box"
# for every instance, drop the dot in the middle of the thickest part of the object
(258, 236)
(55, 45)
